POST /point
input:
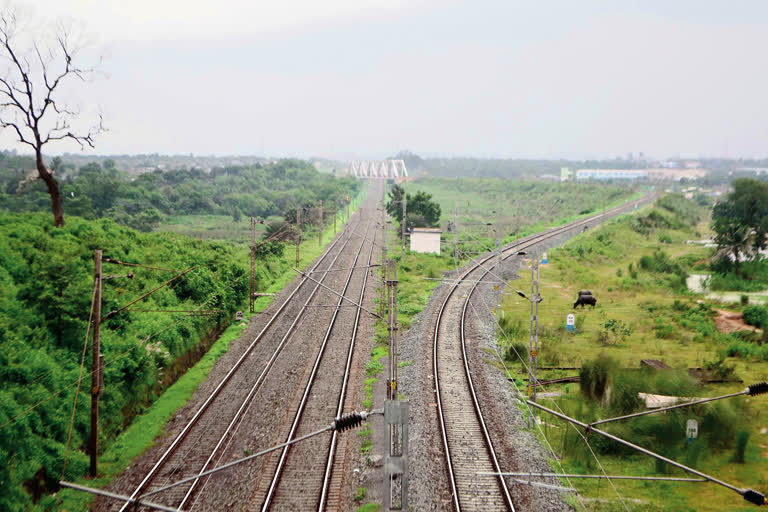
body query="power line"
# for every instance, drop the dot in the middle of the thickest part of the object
(749, 494)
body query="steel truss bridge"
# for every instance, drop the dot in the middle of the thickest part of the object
(378, 169)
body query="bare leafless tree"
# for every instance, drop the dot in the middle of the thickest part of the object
(30, 90)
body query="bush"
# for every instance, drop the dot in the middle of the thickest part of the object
(595, 375)
(756, 315)
(744, 300)
(517, 351)
(742, 437)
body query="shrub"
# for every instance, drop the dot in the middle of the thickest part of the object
(615, 331)
(595, 375)
(742, 437)
(744, 300)
(517, 351)
(756, 315)
(664, 329)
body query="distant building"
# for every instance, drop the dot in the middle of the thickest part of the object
(611, 174)
(675, 174)
(756, 170)
(565, 174)
(426, 240)
(657, 174)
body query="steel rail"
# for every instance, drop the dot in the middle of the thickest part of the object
(308, 388)
(260, 380)
(171, 449)
(508, 251)
(343, 393)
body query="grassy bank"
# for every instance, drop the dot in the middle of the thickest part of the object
(635, 266)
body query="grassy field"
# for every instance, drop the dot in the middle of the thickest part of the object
(636, 276)
(516, 205)
(223, 227)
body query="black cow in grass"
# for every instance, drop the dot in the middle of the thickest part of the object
(585, 299)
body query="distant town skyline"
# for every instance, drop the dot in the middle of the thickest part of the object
(365, 79)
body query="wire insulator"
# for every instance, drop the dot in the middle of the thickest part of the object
(758, 389)
(348, 421)
(754, 496)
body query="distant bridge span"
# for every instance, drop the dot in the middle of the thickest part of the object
(378, 169)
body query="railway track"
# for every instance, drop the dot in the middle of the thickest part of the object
(467, 442)
(204, 439)
(301, 477)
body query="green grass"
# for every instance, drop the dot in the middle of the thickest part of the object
(369, 507)
(141, 434)
(666, 323)
(520, 206)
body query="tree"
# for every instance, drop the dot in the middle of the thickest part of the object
(395, 204)
(30, 92)
(741, 220)
(421, 210)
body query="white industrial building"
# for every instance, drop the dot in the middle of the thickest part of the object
(426, 240)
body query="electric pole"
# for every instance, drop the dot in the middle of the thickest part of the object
(298, 234)
(335, 213)
(402, 227)
(456, 232)
(395, 411)
(96, 369)
(252, 297)
(320, 238)
(533, 346)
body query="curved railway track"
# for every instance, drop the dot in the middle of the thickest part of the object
(467, 442)
(204, 437)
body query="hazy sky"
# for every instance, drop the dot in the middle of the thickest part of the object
(506, 78)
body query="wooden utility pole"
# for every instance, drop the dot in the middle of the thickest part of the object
(97, 382)
(298, 234)
(320, 237)
(252, 296)
(402, 227)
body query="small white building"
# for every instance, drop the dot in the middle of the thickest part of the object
(426, 240)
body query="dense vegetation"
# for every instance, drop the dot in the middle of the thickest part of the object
(46, 282)
(141, 201)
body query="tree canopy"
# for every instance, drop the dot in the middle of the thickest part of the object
(740, 220)
(140, 201)
(421, 210)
